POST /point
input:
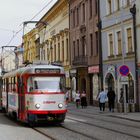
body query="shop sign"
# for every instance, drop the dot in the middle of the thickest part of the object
(93, 69)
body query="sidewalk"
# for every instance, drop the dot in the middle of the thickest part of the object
(128, 116)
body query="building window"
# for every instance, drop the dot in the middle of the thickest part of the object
(111, 44)
(83, 12)
(83, 46)
(109, 6)
(119, 42)
(90, 8)
(129, 40)
(51, 54)
(74, 49)
(62, 50)
(58, 51)
(97, 41)
(96, 7)
(77, 16)
(73, 18)
(67, 49)
(51, 51)
(91, 44)
(117, 4)
(55, 52)
(78, 47)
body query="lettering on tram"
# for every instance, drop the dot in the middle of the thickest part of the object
(47, 70)
(35, 93)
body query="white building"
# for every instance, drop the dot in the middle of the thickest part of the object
(8, 60)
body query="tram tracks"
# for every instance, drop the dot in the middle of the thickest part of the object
(82, 134)
(43, 133)
(106, 128)
(103, 118)
(73, 132)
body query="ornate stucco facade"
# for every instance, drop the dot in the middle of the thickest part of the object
(30, 51)
(54, 38)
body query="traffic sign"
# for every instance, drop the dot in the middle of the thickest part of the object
(124, 70)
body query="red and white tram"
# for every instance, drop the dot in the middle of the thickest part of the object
(35, 93)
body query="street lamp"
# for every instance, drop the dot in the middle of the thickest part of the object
(133, 12)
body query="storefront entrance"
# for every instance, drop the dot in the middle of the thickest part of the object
(109, 82)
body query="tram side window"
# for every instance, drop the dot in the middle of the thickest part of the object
(19, 85)
(14, 84)
(30, 84)
(10, 84)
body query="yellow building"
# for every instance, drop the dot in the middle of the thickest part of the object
(54, 38)
(29, 46)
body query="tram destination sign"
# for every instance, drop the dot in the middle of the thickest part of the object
(47, 70)
(124, 70)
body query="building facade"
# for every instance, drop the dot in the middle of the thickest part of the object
(54, 38)
(118, 49)
(19, 56)
(137, 3)
(8, 60)
(29, 45)
(84, 46)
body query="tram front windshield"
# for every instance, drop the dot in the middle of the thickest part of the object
(46, 84)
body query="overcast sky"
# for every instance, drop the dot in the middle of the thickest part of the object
(14, 12)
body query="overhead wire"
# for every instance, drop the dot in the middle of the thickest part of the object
(30, 20)
(16, 33)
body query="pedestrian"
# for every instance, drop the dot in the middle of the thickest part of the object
(83, 100)
(121, 100)
(67, 96)
(77, 99)
(102, 97)
(111, 99)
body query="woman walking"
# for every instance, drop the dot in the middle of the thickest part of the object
(77, 99)
(83, 100)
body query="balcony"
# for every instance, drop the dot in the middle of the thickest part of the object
(80, 61)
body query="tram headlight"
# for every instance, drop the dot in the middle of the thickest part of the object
(37, 106)
(60, 105)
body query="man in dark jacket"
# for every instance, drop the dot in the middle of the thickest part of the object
(111, 99)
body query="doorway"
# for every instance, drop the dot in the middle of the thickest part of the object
(109, 82)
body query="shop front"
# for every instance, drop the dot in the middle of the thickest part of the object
(93, 72)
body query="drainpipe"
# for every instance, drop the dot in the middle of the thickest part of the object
(133, 12)
(99, 25)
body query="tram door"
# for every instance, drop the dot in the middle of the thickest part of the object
(21, 101)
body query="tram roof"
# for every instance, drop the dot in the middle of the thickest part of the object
(31, 68)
